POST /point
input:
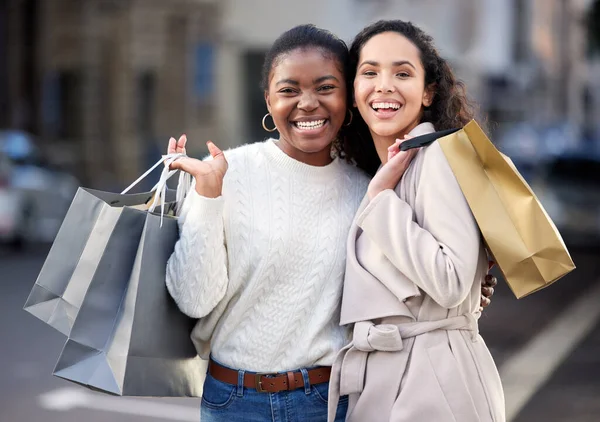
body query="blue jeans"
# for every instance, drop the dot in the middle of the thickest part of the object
(222, 402)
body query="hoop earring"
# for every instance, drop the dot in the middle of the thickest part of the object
(264, 125)
(351, 117)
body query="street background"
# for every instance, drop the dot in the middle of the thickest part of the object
(91, 90)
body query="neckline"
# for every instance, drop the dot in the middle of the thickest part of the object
(298, 168)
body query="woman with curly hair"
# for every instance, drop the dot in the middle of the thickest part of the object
(415, 254)
(261, 255)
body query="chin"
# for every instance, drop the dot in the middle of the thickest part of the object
(385, 130)
(315, 148)
(314, 144)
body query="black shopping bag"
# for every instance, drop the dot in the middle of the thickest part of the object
(129, 337)
(87, 237)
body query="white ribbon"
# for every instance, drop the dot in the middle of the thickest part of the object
(183, 184)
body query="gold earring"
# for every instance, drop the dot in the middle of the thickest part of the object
(351, 117)
(265, 125)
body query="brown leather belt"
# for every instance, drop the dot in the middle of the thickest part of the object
(269, 383)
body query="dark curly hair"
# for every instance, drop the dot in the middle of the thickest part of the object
(308, 37)
(450, 108)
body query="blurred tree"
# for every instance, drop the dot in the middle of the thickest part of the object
(593, 26)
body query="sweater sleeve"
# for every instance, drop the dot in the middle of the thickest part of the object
(196, 273)
(439, 254)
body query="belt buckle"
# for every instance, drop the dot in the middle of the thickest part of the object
(258, 382)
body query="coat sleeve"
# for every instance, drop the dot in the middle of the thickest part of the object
(439, 251)
(196, 274)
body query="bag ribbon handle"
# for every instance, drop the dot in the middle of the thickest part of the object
(183, 184)
(424, 140)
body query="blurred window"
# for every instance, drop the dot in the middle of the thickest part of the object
(146, 87)
(580, 171)
(204, 79)
(521, 32)
(69, 85)
(4, 83)
(255, 100)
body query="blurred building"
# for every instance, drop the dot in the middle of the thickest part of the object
(105, 82)
(251, 27)
(523, 60)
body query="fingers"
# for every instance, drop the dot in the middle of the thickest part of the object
(177, 146)
(181, 144)
(490, 281)
(213, 149)
(485, 302)
(172, 146)
(394, 149)
(175, 165)
(488, 292)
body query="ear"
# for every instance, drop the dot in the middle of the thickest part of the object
(428, 95)
(268, 100)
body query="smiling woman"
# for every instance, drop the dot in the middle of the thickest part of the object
(389, 87)
(416, 258)
(261, 254)
(306, 97)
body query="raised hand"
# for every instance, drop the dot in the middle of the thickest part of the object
(391, 172)
(208, 174)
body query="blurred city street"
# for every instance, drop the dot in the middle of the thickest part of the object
(28, 352)
(91, 91)
(29, 393)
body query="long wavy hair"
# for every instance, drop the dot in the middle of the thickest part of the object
(451, 108)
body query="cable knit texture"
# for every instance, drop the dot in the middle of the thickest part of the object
(262, 266)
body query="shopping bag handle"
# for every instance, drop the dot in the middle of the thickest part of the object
(183, 185)
(424, 140)
(167, 160)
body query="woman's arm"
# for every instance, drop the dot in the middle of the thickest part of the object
(196, 273)
(197, 270)
(440, 253)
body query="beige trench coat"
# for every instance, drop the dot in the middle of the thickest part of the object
(412, 290)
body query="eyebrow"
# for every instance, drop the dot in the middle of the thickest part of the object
(394, 64)
(288, 82)
(316, 81)
(325, 78)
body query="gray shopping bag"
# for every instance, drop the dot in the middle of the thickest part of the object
(85, 237)
(129, 337)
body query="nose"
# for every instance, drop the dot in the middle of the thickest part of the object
(308, 101)
(385, 83)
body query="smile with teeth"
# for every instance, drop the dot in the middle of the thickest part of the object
(385, 106)
(315, 124)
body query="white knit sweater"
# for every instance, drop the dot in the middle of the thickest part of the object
(262, 265)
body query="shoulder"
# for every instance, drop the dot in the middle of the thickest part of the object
(244, 155)
(433, 168)
(246, 150)
(354, 173)
(355, 180)
(433, 154)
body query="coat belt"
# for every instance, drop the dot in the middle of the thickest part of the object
(351, 363)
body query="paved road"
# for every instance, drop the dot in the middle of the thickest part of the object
(29, 349)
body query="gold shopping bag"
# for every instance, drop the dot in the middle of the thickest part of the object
(519, 234)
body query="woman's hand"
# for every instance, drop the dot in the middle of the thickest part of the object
(391, 172)
(487, 288)
(208, 174)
